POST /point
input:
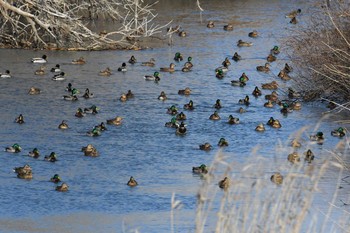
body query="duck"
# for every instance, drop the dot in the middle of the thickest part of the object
(186, 69)
(238, 83)
(181, 130)
(59, 77)
(72, 96)
(270, 121)
(228, 27)
(236, 57)
(273, 96)
(79, 61)
(275, 50)
(260, 127)
(19, 119)
(295, 143)
(34, 91)
(268, 104)
(115, 121)
(292, 94)
(241, 43)
(56, 69)
(241, 110)
(178, 57)
(210, 24)
(318, 137)
(265, 68)
(270, 86)
(123, 98)
(206, 146)
(181, 116)
(69, 87)
(149, 63)
(51, 158)
(293, 20)
(162, 96)
(105, 72)
(182, 33)
(34, 153)
(287, 68)
(276, 124)
(101, 127)
(94, 132)
(172, 110)
(40, 71)
(296, 105)
(293, 157)
(286, 108)
(219, 74)
(171, 68)
(309, 156)
(122, 68)
(253, 34)
(186, 91)
(226, 62)
(284, 75)
(271, 58)
(222, 142)
(202, 169)
(217, 104)
(172, 123)
(277, 178)
(129, 94)
(87, 94)
(223, 68)
(55, 179)
(244, 77)
(256, 92)
(154, 77)
(15, 148)
(62, 188)
(224, 183)
(6, 74)
(244, 101)
(189, 105)
(89, 150)
(132, 182)
(189, 63)
(92, 110)
(39, 59)
(340, 132)
(233, 120)
(63, 125)
(79, 113)
(24, 172)
(293, 14)
(132, 60)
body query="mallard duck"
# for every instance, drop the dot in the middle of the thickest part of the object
(271, 58)
(276, 124)
(178, 57)
(62, 188)
(273, 96)
(265, 68)
(132, 182)
(122, 68)
(287, 68)
(63, 125)
(123, 98)
(309, 156)
(59, 77)
(286, 109)
(284, 75)
(56, 179)
(172, 110)
(233, 120)
(217, 104)
(39, 59)
(293, 20)
(19, 119)
(238, 83)
(129, 94)
(94, 132)
(92, 110)
(241, 43)
(87, 94)
(219, 74)
(241, 110)
(51, 158)
(225, 183)
(154, 77)
(270, 121)
(277, 178)
(34, 153)
(222, 142)
(293, 14)
(256, 92)
(275, 50)
(40, 71)
(79, 113)
(210, 24)
(226, 62)
(186, 91)
(223, 68)
(181, 116)
(24, 172)
(56, 69)
(292, 94)
(253, 34)
(172, 123)
(189, 105)
(318, 137)
(89, 150)
(228, 27)
(296, 105)
(244, 78)
(132, 60)
(268, 104)
(295, 143)
(202, 169)
(206, 146)
(72, 96)
(162, 96)
(34, 91)
(6, 74)
(340, 132)
(150, 63)
(69, 87)
(101, 127)
(236, 57)
(182, 34)
(186, 69)
(171, 68)
(181, 130)
(294, 157)
(244, 101)
(105, 72)
(260, 127)
(15, 148)
(79, 61)
(115, 121)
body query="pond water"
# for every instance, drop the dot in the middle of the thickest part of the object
(99, 199)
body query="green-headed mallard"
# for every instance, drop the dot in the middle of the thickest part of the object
(238, 83)
(34, 153)
(51, 158)
(79, 61)
(178, 57)
(19, 119)
(132, 182)
(172, 110)
(236, 57)
(40, 59)
(189, 105)
(244, 77)
(62, 188)
(202, 169)
(210, 24)
(89, 150)
(253, 34)
(241, 43)
(181, 116)
(188, 64)
(318, 137)
(256, 92)
(275, 50)
(219, 73)
(294, 157)
(91, 110)
(206, 146)
(154, 77)
(162, 96)
(56, 178)
(340, 132)
(96, 131)
(34, 91)
(277, 178)
(132, 60)
(222, 142)
(172, 123)
(15, 148)
(309, 156)
(115, 121)
(225, 183)
(265, 68)
(233, 120)
(286, 108)
(150, 63)
(171, 68)
(260, 127)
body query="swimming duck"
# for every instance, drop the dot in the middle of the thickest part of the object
(115, 121)
(172, 110)
(189, 105)
(150, 63)
(87, 94)
(51, 158)
(273, 96)
(253, 34)
(295, 143)
(132, 182)
(19, 119)
(224, 184)
(181, 116)
(202, 169)
(276, 124)
(268, 104)
(129, 94)
(62, 188)
(284, 75)
(56, 69)
(34, 91)
(217, 104)
(293, 94)
(223, 68)
(226, 62)
(72, 96)
(309, 156)
(293, 157)
(186, 91)
(277, 178)
(39, 59)
(238, 83)
(162, 96)
(182, 34)
(241, 43)
(63, 125)
(105, 72)
(94, 132)
(206, 146)
(171, 68)
(123, 98)
(79, 113)
(228, 27)
(189, 63)
(244, 101)
(270, 121)
(56, 179)
(89, 150)
(233, 120)
(293, 14)
(92, 110)
(275, 50)
(69, 87)
(122, 68)
(340, 132)
(244, 78)
(293, 20)
(256, 92)
(15, 148)
(265, 68)
(178, 57)
(295, 105)
(236, 57)
(186, 69)
(172, 123)
(34, 153)
(287, 68)
(222, 142)
(181, 130)
(260, 127)
(286, 109)
(79, 61)
(132, 60)
(241, 110)
(318, 137)
(219, 74)
(154, 77)
(59, 77)
(210, 24)
(6, 74)
(271, 58)
(24, 172)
